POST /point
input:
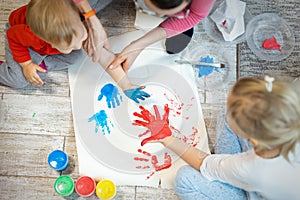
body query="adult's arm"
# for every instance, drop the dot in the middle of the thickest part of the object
(199, 9)
(97, 38)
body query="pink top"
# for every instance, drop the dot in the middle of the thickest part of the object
(199, 9)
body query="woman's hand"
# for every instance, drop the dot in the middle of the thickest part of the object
(97, 38)
(30, 72)
(126, 57)
(131, 51)
(159, 127)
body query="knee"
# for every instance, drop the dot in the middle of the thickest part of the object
(185, 176)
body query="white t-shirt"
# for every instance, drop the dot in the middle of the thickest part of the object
(274, 178)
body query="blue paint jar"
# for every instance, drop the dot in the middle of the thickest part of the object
(58, 160)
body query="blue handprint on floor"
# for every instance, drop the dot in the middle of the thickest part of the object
(111, 94)
(206, 70)
(101, 121)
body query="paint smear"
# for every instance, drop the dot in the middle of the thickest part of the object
(152, 161)
(102, 122)
(112, 95)
(206, 70)
(271, 44)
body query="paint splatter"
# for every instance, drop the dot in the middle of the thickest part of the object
(112, 95)
(154, 162)
(102, 122)
(33, 115)
(159, 127)
(206, 70)
(271, 44)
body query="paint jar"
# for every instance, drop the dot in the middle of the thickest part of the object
(58, 160)
(85, 186)
(64, 185)
(106, 189)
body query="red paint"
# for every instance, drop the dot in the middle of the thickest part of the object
(167, 162)
(224, 22)
(159, 127)
(154, 161)
(85, 186)
(271, 44)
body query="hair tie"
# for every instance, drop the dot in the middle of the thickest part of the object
(269, 83)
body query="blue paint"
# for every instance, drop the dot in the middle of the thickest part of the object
(58, 160)
(112, 95)
(101, 121)
(206, 70)
(136, 93)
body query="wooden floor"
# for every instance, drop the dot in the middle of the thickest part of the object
(34, 121)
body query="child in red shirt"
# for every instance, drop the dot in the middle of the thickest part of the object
(48, 35)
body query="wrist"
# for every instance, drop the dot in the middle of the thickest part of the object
(167, 141)
(87, 15)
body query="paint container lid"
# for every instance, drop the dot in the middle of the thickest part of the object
(106, 189)
(58, 160)
(85, 186)
(64, 185)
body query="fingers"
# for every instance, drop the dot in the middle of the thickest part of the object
(156, 112)
(36, 80)
(116, 62)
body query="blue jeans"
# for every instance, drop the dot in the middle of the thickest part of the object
(191, 185)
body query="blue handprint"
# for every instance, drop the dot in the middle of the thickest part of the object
(136, 93)
(112, 95)
(206, 70)
(101, 121)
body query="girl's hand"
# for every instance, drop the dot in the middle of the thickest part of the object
(30, 72)
(159, 127)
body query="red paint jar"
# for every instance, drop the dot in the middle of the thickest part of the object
(85, 186)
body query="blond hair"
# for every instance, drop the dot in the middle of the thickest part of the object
(270, 117)
(53, 20)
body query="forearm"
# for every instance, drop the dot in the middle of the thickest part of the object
(189, 154)
(151, 37)
(118, 74)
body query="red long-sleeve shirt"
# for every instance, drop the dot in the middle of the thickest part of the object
(20, 38)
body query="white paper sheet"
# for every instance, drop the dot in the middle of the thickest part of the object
(88, 164)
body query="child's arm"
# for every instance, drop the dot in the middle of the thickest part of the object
(160, 131)
(188, 153)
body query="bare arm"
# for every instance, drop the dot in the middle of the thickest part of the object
(130, 52)
(189, 154)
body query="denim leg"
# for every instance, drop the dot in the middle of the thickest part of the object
(227, 142)
(191, 185)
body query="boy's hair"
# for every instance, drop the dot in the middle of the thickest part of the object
(167, 4)
(53, 20)
(272, 118)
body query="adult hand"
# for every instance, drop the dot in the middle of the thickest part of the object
(30, 72)
(136, 93)
(158, 127)
(97, 38)
(112, 95)
(126, 57)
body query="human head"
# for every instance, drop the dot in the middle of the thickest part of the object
(166, 7)
(271, 118)
(57, 22)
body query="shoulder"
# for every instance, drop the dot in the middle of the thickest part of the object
(18, 16)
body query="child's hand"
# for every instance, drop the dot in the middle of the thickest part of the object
(30, 72)
(158, 127)
(136, 93)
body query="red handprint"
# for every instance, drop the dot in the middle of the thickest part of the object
(158, 127)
